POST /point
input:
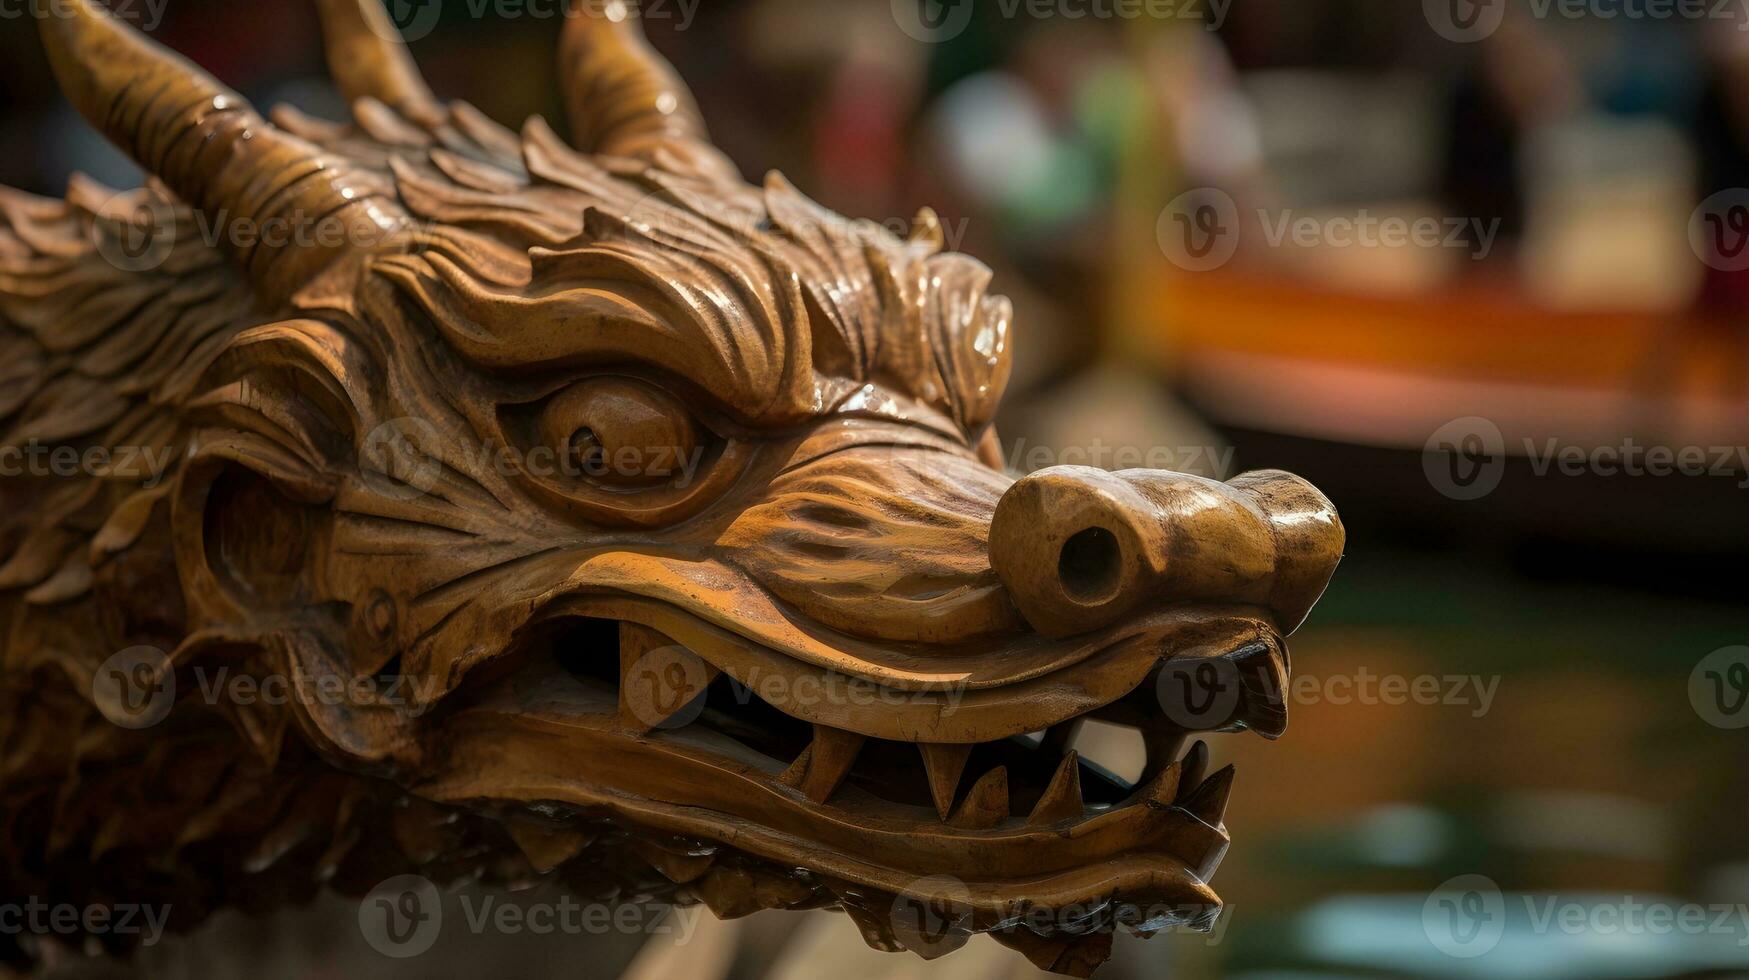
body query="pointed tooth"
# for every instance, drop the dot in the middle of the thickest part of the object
(1162, 790)
(733, 891)
(944, 764)
(792, 777)
(1196, 764)
(678, 868)
(1263, 678)
(1059, 737)
(822, 766)
(546, 846)
(1163, 746)
(657, 677)
(1075, 956)
(1062, 799)
(1209, 801)
(986, 805)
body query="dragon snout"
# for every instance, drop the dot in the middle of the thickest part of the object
(1079, 548)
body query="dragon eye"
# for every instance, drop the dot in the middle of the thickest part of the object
(621, 433)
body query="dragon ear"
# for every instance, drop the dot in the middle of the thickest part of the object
(217, 153)
(623, 99)
(367, 59)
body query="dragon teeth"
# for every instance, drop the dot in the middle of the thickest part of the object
(1209, 801)
(1062, 799)
(1162, 789)
(986, 805)
(822, 766)
(944, 764)
(1161, 745)
(1196, 766)
(546, 846)
(658, 677)
(679, 868)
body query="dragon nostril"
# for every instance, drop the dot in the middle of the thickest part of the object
(1088, 566)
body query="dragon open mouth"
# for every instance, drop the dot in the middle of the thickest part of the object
(671, 506)
(924, 843)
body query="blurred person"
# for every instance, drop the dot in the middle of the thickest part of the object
(1721, 134)
(1032, 149)
(1719, 128)
(859, 128)
(1212, 124)
(1518, 81)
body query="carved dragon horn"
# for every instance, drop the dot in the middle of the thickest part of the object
(623, 99)
(367, 58)
(288, 209)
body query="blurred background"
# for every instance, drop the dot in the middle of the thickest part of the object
(1477, 268)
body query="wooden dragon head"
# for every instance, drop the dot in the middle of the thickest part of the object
(601, 515)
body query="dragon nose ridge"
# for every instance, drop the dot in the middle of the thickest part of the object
(1078, 547)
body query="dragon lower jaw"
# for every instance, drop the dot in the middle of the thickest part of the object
(743, 806)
